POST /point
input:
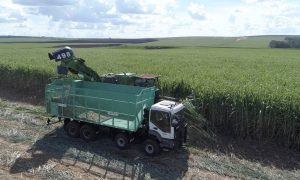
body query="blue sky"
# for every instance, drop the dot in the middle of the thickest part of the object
(148, 18)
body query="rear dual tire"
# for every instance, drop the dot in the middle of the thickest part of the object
(72, 128)
(86, 132)
(122, 141)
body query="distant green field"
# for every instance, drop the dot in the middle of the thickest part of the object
(29, 39)
(238, 42)
(246, 90)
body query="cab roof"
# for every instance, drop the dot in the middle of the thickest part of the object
(168, 106)
(148, 76)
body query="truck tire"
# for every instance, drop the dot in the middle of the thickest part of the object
(151, 147)
(122, 141)
(88, 132)
(72, 129)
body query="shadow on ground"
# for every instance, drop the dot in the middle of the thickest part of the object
(103, 155)
(266, 153)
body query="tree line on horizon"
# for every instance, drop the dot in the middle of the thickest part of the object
(288, 42)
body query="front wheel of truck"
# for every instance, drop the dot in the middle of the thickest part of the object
(151, 147)
(72, 129)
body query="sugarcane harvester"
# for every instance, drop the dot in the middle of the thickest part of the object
(126, 105)
(75, 65)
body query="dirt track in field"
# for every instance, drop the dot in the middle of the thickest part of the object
(29, 149)
(57, 156)
(65, 168)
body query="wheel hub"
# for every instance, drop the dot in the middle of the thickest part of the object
(149, 149)
(86, 134)
(72, 130)
(121, 142)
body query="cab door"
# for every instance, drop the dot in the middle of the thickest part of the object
(160, 122)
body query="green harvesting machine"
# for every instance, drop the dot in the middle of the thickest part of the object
(127, 105)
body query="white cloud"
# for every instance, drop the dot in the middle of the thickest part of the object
(259, 1)
(196, 11)
(144, 6)
(44, 2)
(13, 17)
(266, 17)
(93, 11)
(10, 14)
(131, 7)
(144, 18)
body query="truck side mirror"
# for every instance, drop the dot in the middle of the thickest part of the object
(174, 122)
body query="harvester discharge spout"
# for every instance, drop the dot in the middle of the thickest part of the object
(73, 64)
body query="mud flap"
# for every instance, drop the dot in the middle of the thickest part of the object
(185, 134)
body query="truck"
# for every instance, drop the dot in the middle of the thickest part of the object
(126, 105)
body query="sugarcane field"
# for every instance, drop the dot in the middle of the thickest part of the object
(149, 90)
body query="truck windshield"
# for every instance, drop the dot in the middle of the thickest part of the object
(179, 115)
(161, 120)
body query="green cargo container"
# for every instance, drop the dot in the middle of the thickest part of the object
(112, 105)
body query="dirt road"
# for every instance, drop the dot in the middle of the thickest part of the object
(31, 149)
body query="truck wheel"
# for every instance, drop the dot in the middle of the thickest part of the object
(151, 147)
(88, 132)
(121, 141)
(72, 129)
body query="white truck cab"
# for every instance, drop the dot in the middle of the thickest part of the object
(167, 124)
